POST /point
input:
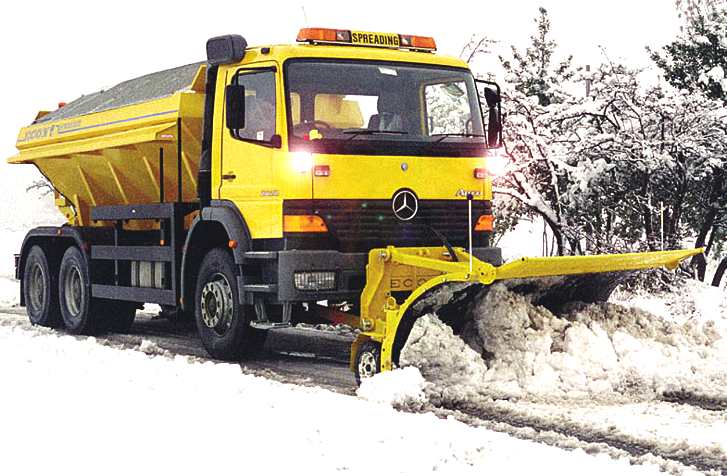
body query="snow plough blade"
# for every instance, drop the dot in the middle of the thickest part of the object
(404, 283)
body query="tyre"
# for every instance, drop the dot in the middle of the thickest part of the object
(118, 316)
(222, 323)
(40, 289)
(368, 360)
(81, 314)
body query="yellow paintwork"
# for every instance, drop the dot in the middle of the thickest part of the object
(111, 157)
(420, 269)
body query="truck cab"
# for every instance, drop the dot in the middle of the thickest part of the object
(334, 148)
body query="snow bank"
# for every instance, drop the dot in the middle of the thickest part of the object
(401, 386)
(514, 349)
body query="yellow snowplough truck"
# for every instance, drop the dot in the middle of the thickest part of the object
(343, 176)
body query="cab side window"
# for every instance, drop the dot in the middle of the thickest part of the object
(259, 106)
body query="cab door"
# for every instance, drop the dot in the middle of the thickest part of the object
(247, 153)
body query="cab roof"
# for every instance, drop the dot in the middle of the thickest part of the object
(282, 52)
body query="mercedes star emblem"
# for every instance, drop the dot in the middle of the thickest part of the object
(405, 205)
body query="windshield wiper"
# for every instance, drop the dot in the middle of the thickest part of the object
(369, 132)
(454, 134)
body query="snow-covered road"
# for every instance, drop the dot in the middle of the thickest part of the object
(74, 405)
(136, 399)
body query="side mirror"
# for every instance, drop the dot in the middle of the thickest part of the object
(494, 126)
(494, 119)
(225, 49)
(492, 97)
(235, 106)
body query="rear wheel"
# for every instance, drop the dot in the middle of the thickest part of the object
(81, 313)
(222, 323)
(40, 290)
(368, 360)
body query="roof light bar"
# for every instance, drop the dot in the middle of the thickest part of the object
(366, 38)
(418, 42)
(324, 34)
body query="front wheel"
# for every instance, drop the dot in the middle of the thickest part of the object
(222, 322)
(368, 360)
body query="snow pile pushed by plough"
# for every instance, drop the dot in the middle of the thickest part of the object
(515, 349)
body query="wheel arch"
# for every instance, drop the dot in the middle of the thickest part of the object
(214, 227)
(54, 241)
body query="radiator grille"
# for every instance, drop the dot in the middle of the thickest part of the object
(359, 225)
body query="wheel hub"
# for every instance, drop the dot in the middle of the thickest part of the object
(73, 287)
(367, 365)
(217, 304)
(36, 287)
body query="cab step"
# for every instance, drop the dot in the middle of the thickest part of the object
(268, 325)
(260, 288)
(261, 255)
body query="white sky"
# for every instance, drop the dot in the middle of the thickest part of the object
(56, 51)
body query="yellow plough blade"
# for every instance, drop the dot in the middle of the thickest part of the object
(420, 270)
(570, 265)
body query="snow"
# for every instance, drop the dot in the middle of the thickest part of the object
(672, 425)
(72, 404)
(515, 349)
(9, 292)
(399, 386)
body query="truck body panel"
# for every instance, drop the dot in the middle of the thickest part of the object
(111, 157)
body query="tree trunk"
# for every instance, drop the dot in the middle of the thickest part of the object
(719, 273)
(557, 234)
(709, 218)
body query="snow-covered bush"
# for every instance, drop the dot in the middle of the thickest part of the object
(627, 167)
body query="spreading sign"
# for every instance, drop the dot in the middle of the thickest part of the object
(375, 39)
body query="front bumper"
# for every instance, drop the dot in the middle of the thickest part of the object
(349, 269)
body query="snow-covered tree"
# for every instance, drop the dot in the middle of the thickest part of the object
(643, 162)
(628, 168)
(535, 72)
(534, 82)
(697, 59)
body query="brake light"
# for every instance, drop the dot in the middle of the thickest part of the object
(485, 223)
(304, 224)
(323, 34)
(418, 42)
(480, 173)
(322, 171)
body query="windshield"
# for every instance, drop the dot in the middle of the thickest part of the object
(364, 107)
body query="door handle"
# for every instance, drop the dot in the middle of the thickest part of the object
(229, 176)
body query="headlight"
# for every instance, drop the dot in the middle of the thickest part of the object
(315, 280)
(302, 161)
(496, 162)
